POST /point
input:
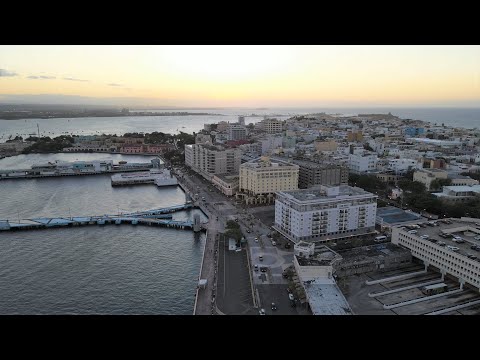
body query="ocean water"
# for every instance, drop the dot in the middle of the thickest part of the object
(112, 269)
(461, 117)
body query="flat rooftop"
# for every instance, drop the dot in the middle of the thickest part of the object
(261, 163)
(466, 230)
(325, 192)
(392, 215)
(326, 299)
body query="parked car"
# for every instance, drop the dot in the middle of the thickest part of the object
(263, 269)
(261, 311)
(274, 307)
(256, 239)
(260, 257)
(255, 267)
(274, 243)
(287, 245)
(290, 296)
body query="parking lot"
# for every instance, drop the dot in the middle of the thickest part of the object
(277, 293)
(356, 293)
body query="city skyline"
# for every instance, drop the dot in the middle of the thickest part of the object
(242, 76)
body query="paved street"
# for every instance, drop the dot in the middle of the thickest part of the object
(234, 293)
(232, 276)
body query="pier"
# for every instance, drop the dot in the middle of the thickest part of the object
(156, 217)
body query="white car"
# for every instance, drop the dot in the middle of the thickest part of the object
(274, 243)
(256, 239)
(261, 311)
(453, 248)
(424, 237)
(290, 296)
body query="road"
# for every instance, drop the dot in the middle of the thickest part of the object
(275, 258)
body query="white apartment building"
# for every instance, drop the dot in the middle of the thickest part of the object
(363, 163)
(272, 126)
(401, 166)
(325, 213)
(445, 254)
(208, 159)
(264, 177)
(236, 132)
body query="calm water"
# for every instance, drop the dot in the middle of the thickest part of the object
(95, 270)
(462, 117)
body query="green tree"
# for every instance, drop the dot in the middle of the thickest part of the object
(438, 184)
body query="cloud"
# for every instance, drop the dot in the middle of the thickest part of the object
(113, 84)
(73, 79)
(5, 73)
(41, 77)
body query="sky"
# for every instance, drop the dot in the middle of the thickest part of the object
(242, 76)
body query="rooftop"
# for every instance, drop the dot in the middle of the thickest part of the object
(466, 230)
(326, 299)
(392, 215)
(324, 192)
(267, 162)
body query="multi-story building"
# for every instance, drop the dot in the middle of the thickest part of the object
(236, 132)
(325, 213)
(208, 160)
(330, 145)
(315, 173)
(436, 247)
(402, 166)
(459, 193)
(227, 184)
(426, 176)
(261, 178)
(414, 131)
(354, 136)
(365, 162)
(272, 126)
(203, 139)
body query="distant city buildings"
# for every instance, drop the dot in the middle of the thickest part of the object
(272, 126)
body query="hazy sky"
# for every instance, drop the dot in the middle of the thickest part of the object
(257, 76)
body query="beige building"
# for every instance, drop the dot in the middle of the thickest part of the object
(227, 184)
(426, 176)
(208, 160)
(272, 126)
(260, 179)
(354, 136)
(326, 145)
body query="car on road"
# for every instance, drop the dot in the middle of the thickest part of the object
(260, 257)
(256, 239)
(256, 267)
(274, 243)
(248, 231)
(263, 269)
(290, 297)
(274, 307)
(287, 245)
(261, 311)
